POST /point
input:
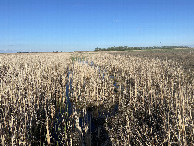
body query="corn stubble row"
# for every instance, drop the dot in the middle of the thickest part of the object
(155, 98)
(31, 87)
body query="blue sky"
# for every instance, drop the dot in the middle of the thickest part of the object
(70, 25)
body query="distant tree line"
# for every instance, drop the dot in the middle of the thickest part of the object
(26, 52)
(56, 51)
(126, 48)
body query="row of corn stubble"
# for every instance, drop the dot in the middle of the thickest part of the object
(154, 97)
(32, 87)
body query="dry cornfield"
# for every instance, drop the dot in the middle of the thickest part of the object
(93, 98)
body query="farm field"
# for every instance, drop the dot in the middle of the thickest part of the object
(97, 98)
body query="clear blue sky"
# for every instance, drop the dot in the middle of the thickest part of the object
(69, 25)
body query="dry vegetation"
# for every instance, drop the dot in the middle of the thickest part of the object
(30, 88)
(154, 98)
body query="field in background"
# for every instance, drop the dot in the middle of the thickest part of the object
(97, 98)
